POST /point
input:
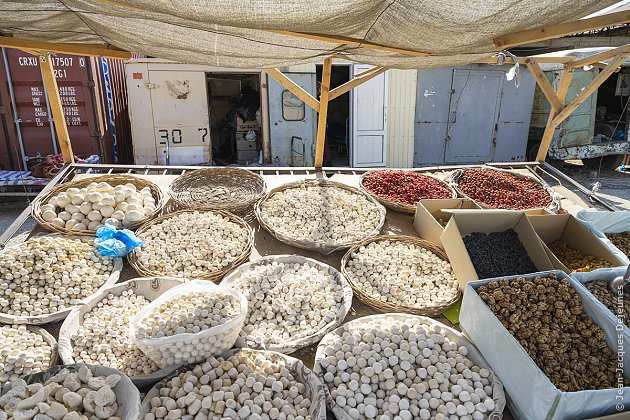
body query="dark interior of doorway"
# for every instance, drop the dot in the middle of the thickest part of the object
(232, 95)
(337, 149)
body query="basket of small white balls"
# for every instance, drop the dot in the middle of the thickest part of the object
(189, 323)
(405, 367)
(397, 273)
(25, 349)
(81, 207)
(320, 215)
(71, 392)
(192, 244)
(43, 278)
(98, 331)
(239, 385)
(293, 301)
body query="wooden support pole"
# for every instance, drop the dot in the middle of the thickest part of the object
(596, 58)
(545, 142)
(545, 86)
(323, 113)
(58, 116)
(356, 81)
(294, 88)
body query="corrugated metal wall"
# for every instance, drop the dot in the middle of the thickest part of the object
(401, 115)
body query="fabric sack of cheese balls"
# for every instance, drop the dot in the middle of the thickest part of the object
(604, 223)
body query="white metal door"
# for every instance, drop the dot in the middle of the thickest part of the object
(180, 117)
(369, 120)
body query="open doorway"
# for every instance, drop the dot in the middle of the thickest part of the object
(338, 133)
(235, 118)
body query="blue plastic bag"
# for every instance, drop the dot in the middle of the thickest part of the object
(116, 243)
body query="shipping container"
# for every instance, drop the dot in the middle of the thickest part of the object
(27, 134)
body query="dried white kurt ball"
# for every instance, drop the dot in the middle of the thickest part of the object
(103, 337)
(238, 387)
(22, 352)
(49, 274)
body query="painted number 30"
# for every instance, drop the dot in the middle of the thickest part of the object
(175, 135)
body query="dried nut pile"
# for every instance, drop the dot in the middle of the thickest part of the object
(405, 187)
(321, 213)
(22, 352)
(617, 302)
(67, 396)
(189, 313)
(103, 336)
(498, 254)
(49, 274)
(402, 273)
(403, 370)
(237, 387)
(546, 316)
(576, 260)
(91, 207)
(191, 244)
(621, 241)
(503, 190)
(287, 302)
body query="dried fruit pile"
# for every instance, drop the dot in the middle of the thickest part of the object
(621, 241)
(498, 254)
(546, 316)
(503, 190)
(616, 302)
(404, 187)
(576, 260)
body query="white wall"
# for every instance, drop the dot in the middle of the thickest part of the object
(401, 117)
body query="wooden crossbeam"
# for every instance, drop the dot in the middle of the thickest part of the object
(99, 50)
(56, 109)
(545, 142)
(323, 113)
(561, 29)
(596, 58)
(353, 42)
(539, 60)
(294, 88)
(544, 84)
(356, 81)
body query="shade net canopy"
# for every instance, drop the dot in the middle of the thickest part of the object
(237, 33)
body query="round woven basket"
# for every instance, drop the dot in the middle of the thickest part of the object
(210, 275)
(113, 180)
(385, 307)
(317, 245)
(231, 189)
(395, 205)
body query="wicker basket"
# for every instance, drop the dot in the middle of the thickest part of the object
(211, 275)
(401, 207)
(113, 180)
(232, 189)
(315, 245)
(385, 307)
(553, 207)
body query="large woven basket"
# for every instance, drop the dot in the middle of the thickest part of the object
(317, 245)
(113, 180)
(395, 205)
(553, 207)
(210, 275)
(385, 307)
(232, 189)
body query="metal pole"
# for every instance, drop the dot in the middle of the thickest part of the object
(264, 110)
(16, 118)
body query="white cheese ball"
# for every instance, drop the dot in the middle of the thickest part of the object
(22, 352)
(287, 302)
(103, 337)
(385, 368)
(50, 273)
(190, 244)
(327, 214)
(238, 387)
(402, 273)
(193, 314)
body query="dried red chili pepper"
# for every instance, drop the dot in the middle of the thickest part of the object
(405, 187)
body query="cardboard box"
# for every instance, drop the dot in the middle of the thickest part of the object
(489, 221)
(242, 125)
(553, 227)
(429, 211)
(243, 145)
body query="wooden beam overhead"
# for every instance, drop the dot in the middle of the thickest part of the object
(99, 50)
(544, 85)
(353, 42)
(323, 113)
(539, 60)
(545, 142)
(294, 88)
(561, 29)
(356, 81)
(596, 58)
